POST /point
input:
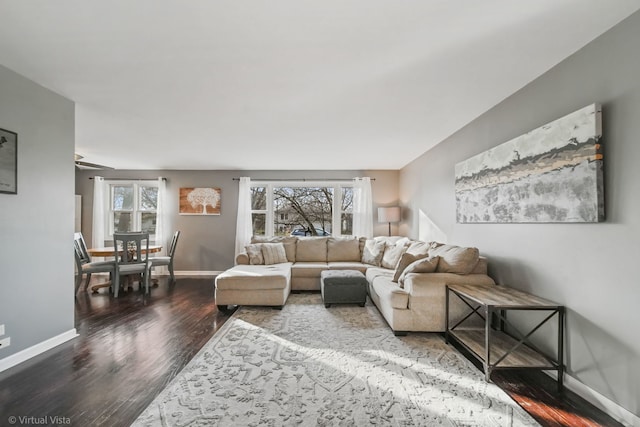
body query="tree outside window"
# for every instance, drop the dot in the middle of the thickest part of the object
(259, 210)
(346, 211)
(307, 208)
(298, 209)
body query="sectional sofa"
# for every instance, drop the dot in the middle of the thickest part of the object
(406, 278)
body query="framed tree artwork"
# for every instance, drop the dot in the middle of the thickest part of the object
(200, 201)
(8, 162)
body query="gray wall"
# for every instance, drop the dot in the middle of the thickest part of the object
(591, 268)
(36, 225)
(207, 243)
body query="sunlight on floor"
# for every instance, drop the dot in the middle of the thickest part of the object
(400, 376)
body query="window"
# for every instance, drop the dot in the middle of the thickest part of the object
(302, 209)
(132, 206)
(259, 210)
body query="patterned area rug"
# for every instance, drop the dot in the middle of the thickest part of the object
(311, 366)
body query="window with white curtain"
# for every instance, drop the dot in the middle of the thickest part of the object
(302, 208)
(131, 206)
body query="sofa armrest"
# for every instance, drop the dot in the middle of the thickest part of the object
(242, 258)
(481, 267)
(399, 298)
(425, 284)
(427, 297)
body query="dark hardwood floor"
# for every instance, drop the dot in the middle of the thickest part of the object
(128, 350)
(537, 393)
(131, 347)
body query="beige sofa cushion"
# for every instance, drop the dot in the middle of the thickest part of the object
(373, 272)
(273, 253)
(455, 259)
(311, 249)
(254, 277)
(373, 251)
(348, 265)
(308, 269)
(254, 252)
(288, 242)
(343, 249)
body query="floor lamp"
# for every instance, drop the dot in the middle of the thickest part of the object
(389, 215)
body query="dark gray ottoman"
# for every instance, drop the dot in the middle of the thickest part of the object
(343, 287)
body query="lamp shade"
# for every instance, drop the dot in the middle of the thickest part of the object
(389, 214)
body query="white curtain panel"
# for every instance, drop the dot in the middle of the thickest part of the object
(362, 208)
(161, 222)
(244, 226)
(98, 212)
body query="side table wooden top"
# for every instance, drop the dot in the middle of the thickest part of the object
(502, 296)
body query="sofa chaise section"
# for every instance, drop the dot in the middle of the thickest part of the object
(268, 285)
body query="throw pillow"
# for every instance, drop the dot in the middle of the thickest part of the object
(372, 252)
(255, 254)
(405, 260)
(288, 242)
(424, 265)
(419, 248)
(456, 259)
(392, 254)
(404, 241)
(273, 253)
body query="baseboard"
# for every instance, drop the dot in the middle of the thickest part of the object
(33, 351)
(601, 402)
(182, 273)
(197, 273)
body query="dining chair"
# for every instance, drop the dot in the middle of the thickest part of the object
(134, 258)
(85, 265)
(167, 260)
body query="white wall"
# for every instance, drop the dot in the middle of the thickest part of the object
(36, 225)
(591, 268)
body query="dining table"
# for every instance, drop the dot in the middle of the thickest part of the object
(109, 251)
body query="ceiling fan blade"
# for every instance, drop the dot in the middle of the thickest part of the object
(92, 165)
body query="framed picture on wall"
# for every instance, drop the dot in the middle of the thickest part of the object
(200, 201)
(8, 162)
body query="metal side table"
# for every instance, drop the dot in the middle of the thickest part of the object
(494, 347)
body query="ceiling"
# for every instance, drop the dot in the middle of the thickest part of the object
(286, 84)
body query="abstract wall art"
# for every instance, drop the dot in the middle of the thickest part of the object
(551, 174)
(200, 201)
